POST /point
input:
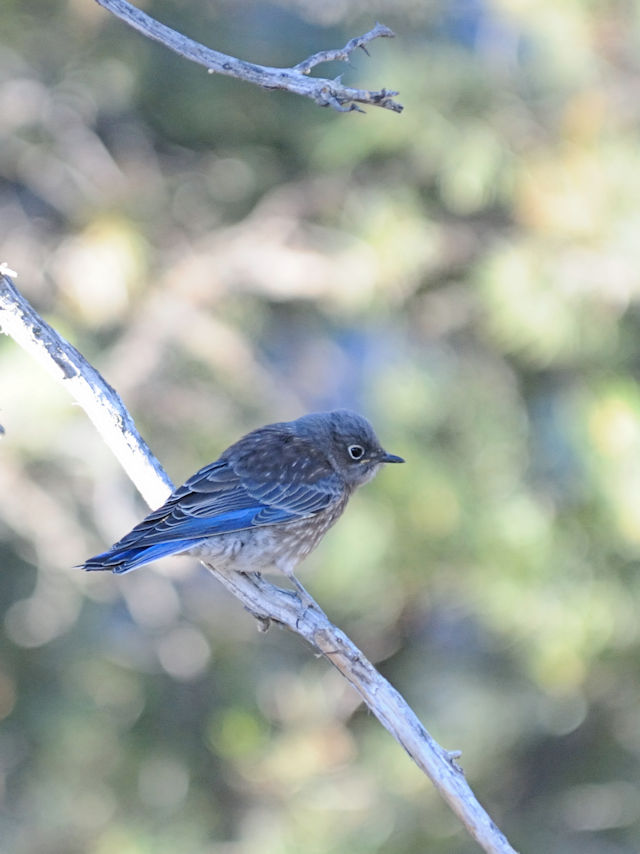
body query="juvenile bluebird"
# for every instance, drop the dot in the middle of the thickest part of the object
(266, 502)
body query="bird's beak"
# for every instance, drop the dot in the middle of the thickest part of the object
(391, 458)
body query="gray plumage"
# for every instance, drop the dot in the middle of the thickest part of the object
(266, 502)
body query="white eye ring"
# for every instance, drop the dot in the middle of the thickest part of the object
(356, 452)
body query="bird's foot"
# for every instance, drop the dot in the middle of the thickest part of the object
(306, 598)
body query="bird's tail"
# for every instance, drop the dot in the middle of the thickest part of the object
(120, 560)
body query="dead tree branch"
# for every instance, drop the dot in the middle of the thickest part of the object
(101, 402)
(325, 93)
(267, 602)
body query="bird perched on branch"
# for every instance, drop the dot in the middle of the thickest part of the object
(266, 502)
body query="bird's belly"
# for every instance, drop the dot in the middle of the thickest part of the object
(270, 546)
(244, 551)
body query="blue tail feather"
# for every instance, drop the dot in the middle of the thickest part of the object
(122, 560)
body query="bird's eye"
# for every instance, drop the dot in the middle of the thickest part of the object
(356, 452)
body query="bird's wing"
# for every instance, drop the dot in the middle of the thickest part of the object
(219, 499)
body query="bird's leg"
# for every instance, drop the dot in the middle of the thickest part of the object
(306, 598)
(287, 567)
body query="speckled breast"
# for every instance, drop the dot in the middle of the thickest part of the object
(281, 545)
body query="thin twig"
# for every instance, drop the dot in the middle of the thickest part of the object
(267, 602)
(344, 54)
(325, 93)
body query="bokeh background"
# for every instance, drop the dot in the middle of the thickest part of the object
(466, 274)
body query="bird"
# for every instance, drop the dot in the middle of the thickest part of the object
(265, 503)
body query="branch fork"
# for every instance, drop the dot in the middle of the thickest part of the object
(324, 92)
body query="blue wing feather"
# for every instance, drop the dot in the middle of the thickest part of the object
(221, 498)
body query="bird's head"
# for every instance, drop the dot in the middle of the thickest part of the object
(350, 443)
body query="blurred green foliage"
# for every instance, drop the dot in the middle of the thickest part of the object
(467, 275)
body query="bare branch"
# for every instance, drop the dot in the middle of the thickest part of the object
(101, 403)
(325, 93)
(265, 601)
(272, 604)
(344, 54)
